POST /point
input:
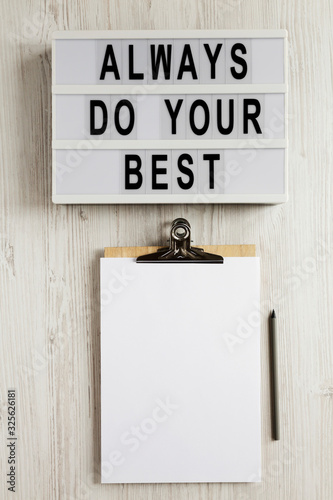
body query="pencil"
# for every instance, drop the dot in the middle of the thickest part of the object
(274, 379)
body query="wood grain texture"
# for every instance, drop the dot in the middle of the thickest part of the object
(49, 258)
(224, 250)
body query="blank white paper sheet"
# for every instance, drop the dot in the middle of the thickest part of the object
(180, 372)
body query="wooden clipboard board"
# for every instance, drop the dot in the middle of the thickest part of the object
(225, 250)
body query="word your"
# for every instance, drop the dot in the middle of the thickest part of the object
(199, 117)
(161, 59)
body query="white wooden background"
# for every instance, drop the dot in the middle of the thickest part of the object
(49, 258)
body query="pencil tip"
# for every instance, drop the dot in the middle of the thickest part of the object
(273, 314)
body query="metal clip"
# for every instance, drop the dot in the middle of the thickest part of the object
(180, 249)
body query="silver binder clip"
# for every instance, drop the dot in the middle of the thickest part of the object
(180, 249)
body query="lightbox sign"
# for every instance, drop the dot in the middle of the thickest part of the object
(169, 117)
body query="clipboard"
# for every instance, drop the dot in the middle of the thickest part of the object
(223, 250)
(179, 406)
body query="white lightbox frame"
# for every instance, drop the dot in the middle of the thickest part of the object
(179, 144)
